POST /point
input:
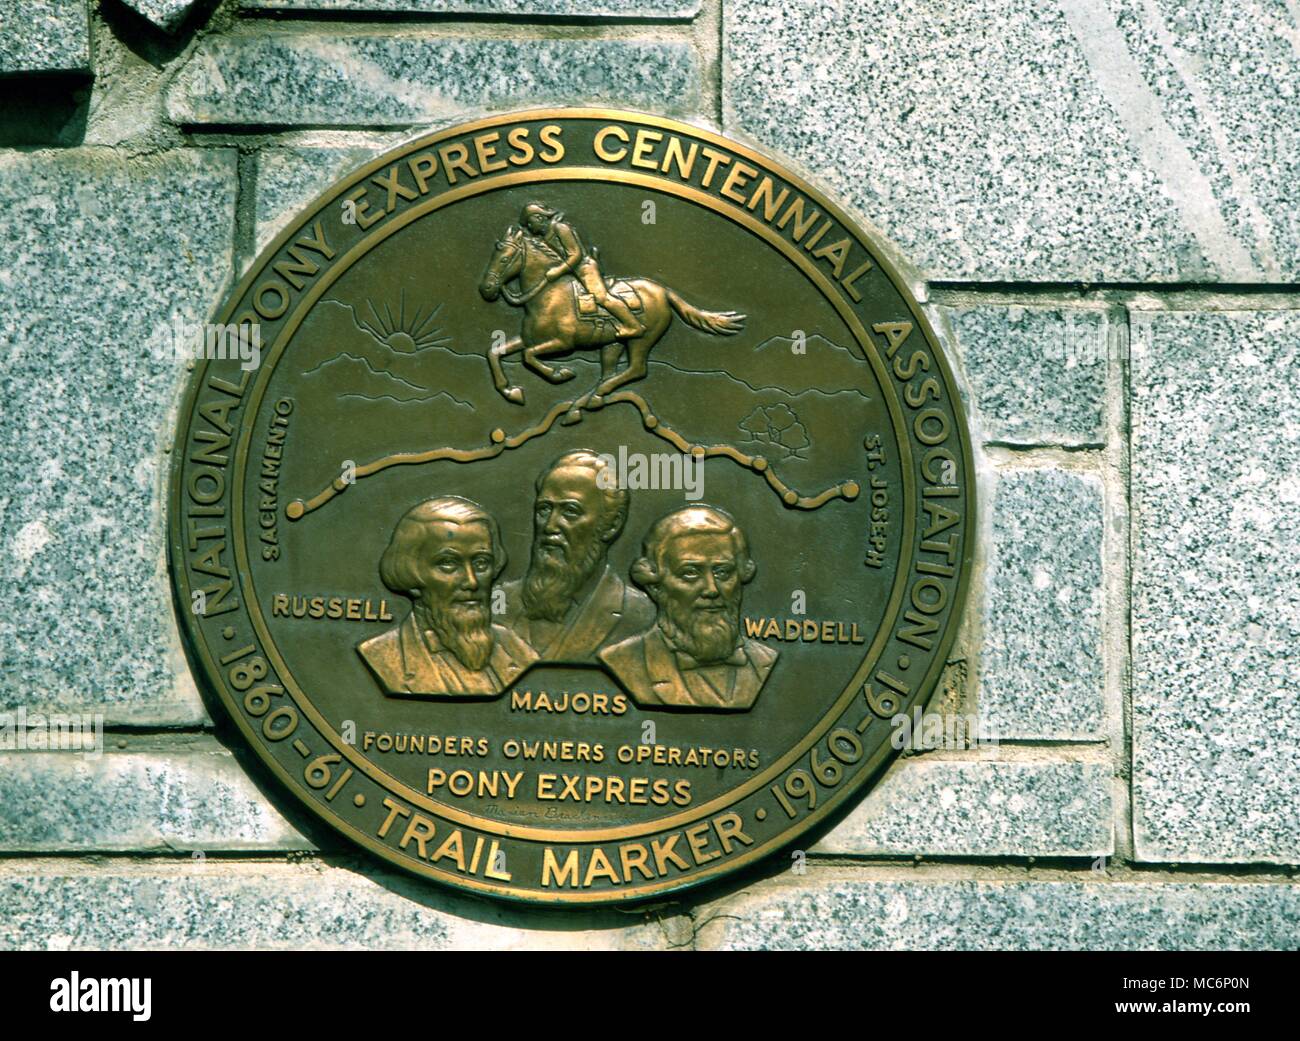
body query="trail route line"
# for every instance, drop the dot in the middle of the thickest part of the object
(847, 490)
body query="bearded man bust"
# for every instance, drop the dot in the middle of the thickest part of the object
(570, 603)
(695, 564)
(444, 555)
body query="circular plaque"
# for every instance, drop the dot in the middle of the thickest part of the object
(567, 504)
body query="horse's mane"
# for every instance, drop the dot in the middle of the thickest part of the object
(543, 245)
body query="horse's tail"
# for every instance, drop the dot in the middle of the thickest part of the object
(718, 323)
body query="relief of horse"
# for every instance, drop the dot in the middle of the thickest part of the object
(552, 325)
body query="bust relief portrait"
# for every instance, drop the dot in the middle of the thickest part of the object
(444, 555)
(695, 564)
(570, 602)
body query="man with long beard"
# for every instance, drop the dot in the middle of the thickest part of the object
(571, 603)
(695, 565)
(445, 554)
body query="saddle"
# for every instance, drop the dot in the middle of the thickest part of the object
(588, 310)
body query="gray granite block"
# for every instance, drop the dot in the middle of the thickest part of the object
(183, 800)
(166, 14)
(981, 809)
(216, 904)
(288, 178)
(1216, 586)
(1041, 668)
(1016, 140)
(832, 910)
(1227, 77)
(346, 79)
(220, 905)
(603, 10)
(1037, 374)
(44, 36)
(102, 255)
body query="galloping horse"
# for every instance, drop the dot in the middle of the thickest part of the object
(552, 324)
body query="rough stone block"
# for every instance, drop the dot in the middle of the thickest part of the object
(335, 79)
(168, 15)
(602, 10)
(1103, 140)
(1216, 586)
(981, 809)
(102, 256)
(1037, 374)
(223, 905)
(194, 801)
(831, 910)
(44, 36)
(1041, 667)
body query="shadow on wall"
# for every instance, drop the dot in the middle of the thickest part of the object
(43, 109)
(50, 109)
(147, 40)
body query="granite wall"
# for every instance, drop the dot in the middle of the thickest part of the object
(1099, 202)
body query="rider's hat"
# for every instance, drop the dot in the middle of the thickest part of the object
(536, 209)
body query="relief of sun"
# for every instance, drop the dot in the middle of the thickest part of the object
(400, 335)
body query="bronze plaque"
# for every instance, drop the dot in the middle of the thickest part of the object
(565, 504)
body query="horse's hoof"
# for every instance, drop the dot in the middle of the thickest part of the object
(515, 395)
(562, 375)
(571, 417)
(595, 402)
